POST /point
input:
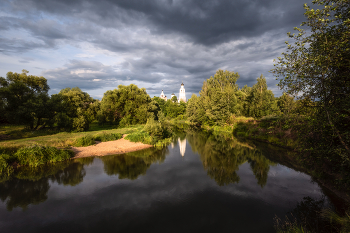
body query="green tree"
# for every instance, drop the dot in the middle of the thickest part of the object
(77, 109)
(195, 111)
(260, 101)
(285, 103)
(25, 99)
(317, 67)
(217, 99)
(128, 105)
(174, 99)
(173, 109)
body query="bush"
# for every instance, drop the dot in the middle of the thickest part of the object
(158, 130)
(5, 169)
(86, 140)
(140, 136)
(155, 133)
(80, 124)
(105, 137)
(37, 155)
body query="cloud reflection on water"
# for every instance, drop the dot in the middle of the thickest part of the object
(218, 180)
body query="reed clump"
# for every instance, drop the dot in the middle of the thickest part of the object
(38, 155)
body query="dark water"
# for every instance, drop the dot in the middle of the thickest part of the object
(200, 183)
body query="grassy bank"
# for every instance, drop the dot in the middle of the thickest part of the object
(12, 132)
(35, 151)
(276, 130)
(63, 139)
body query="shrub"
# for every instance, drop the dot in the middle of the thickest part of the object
(5, 169)
(86, 140)
(105, 137)
(80, 124)
(140, 136)
(158, 130)
(38, 155)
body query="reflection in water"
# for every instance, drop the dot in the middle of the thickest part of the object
(221, 157)
(182, 145)
(134, 164)
(21, 193)
(177, 189)
(30, 185)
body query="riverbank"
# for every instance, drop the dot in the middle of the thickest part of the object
(283, 132)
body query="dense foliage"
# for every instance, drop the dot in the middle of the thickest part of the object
(89, 139)
(77, 109)
(157, 133)
(127, 105)
(171, 108)
(220, 99)
(24, 99)
(316, 68)
(37, 155)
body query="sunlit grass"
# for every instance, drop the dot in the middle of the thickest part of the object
(62, 139)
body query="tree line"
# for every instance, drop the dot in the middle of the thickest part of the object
(25, 100)
(221, 99)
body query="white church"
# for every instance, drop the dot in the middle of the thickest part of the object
(182, 94)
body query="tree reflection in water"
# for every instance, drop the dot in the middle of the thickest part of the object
(222, 155)
(21, 193)
(30, 185)
(133, 164)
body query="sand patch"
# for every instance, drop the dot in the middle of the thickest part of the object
(120, 146)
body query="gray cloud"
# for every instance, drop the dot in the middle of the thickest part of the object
(160, 43)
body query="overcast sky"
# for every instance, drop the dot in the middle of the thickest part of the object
(156, 44)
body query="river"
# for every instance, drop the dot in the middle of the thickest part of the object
(199, 183)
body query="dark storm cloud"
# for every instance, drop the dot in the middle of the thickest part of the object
(213, 22)
(161, 42)
(206, 22)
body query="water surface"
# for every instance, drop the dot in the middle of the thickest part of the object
(199, 183)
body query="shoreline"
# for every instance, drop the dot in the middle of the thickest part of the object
(119, 146)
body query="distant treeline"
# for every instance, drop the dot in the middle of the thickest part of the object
(25, 100)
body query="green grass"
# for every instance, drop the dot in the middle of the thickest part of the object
(89, 139)
(5, 169)
(140, 136)
(277, 130)
(40, 150)
(105, 137)
(31, 157)
(86, 140)
(39, 155)
(12, 132)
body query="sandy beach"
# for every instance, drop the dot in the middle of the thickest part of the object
(120, 146)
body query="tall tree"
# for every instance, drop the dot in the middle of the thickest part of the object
(128, 105)
(285, 103)
(77, 109)
(260, 101)
(217, 99)
(317, 67)
(25, 98)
